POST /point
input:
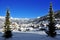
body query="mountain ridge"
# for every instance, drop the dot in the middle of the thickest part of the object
(29, 20)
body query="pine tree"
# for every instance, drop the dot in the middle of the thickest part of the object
(51, 25)
(7, 29)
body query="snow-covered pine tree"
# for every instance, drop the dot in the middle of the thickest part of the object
(7, 29)
(51, 25)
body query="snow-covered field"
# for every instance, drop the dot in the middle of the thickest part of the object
(38, 35)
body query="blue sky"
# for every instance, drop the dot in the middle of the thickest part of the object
(27, 8)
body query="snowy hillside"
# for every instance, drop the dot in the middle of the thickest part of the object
(17, 20)
(41, 35)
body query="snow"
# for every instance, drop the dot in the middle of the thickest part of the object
(2, 17)
(38, 17)
(29, 35)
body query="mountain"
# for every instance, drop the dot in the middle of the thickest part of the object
(17, 20)
(2, 19)
(56, 14)
(28, 20)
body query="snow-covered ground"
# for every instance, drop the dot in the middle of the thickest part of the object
(37, 35)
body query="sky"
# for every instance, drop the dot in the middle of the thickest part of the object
(27, 8)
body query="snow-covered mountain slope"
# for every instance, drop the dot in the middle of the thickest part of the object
(29, 20)
(3, 17)
(19, 21)
(30, 36)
